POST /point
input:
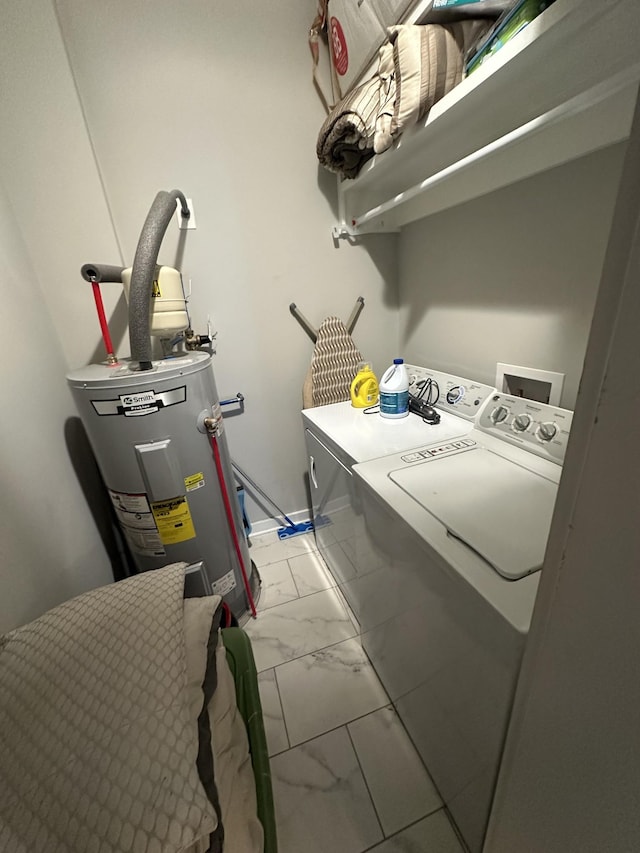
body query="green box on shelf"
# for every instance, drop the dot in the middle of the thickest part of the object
(520, 16)
(441, 4)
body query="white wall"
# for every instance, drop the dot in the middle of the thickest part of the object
(49, 172)
(49, 546)
(571, 774)
(216, 99)
(511, 276)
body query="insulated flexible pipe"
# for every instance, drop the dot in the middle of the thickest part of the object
(95, 273)
(144, 265)
(101, 272)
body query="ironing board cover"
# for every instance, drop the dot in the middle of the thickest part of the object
(333, 365)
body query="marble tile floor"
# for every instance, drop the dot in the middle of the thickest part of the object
(346, 777)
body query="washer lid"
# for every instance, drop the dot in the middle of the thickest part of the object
(496, 507)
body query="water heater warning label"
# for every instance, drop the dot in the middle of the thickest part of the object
(127, 502)
(174, 520)
(224, 584)
(137, 523)
(194, 481)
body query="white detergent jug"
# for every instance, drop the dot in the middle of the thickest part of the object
(394, 391)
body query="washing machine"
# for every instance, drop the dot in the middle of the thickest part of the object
(338, 436)
(460, 529)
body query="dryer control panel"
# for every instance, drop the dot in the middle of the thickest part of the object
(541, 429)
(455, 394)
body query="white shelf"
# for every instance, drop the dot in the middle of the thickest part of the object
(562, 88)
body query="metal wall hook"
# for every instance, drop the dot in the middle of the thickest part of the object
(238, 400)
(353, 319)
(306, 325)
(313, 334)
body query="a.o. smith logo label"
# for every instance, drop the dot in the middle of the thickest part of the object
(139, 404)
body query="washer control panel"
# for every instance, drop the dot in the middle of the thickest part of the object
(462, 397)
(438, 450)
(542, 429)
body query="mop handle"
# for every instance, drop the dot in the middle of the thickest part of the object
(262, 492)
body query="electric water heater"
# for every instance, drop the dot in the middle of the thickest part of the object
(147, 431)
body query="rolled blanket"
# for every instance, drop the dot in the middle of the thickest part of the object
(417, 66)
(345, 141)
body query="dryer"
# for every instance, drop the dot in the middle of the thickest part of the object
(337, 436)
(459, 529)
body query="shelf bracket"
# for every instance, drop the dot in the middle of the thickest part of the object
(342, 231)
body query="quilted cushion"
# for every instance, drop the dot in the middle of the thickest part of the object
(97, 746)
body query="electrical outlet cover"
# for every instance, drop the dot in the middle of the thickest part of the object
(544, 386)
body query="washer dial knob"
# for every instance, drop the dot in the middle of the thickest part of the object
(521, 423)
(455, 394)
(499, 414)
(546, 431)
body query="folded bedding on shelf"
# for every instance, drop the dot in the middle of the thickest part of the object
(417, 66)
(345, 141)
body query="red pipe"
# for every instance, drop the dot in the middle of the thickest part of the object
(231, 521)
(102, 317)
